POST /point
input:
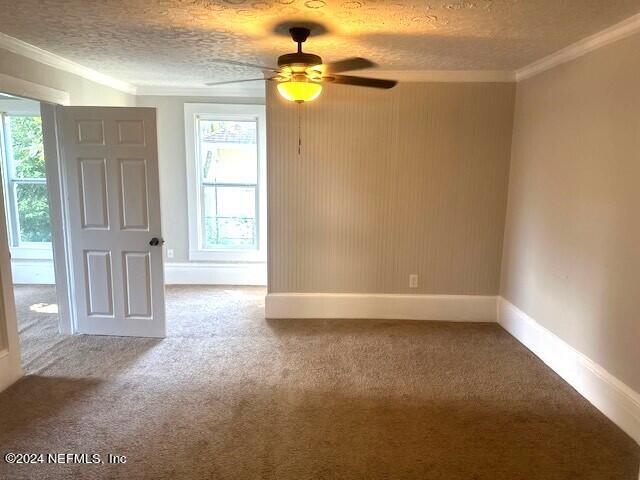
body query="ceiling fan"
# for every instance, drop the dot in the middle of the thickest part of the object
(300, 75)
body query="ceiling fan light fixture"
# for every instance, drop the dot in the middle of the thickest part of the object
(299, 91)
(300, 75)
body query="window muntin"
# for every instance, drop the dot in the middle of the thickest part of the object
(228, 181)
(229, 217)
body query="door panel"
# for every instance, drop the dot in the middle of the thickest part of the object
(134, 202)
(137, 278)
(131, 132)
(93, 193)
(111, 173)
(99, 283)
(90, 132)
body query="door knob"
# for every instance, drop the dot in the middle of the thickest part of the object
(155, 241)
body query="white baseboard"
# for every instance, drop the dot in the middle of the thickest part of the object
(608, 394)
(455, 308)
(10, 370)
(38, 272)
(201, 273)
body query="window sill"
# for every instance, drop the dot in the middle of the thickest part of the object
(31, 253)
(247, 256)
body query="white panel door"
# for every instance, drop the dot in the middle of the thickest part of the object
(110, 161)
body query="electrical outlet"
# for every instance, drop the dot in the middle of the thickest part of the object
(169, 252)
(413, 280)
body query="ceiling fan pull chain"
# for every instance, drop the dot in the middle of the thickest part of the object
(299, 130)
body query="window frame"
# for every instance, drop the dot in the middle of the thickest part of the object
(19, 249)
(193, 112)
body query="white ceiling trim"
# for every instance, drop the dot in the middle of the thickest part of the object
(241, 90)
(257, 89)
(39, 55)
(442, 75)
(23, 88)
(609, 35)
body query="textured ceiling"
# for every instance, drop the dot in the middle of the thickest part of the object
(176, 42)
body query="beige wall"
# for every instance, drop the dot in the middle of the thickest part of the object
(389, 183)
(81, 91)
(173, 165)
(572, 239)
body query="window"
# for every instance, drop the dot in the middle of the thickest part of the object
(24, 175)
(225, 166)
(228, 152)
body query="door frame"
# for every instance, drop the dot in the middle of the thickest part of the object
(10, 360)
(49, 98)
(10, 364)
(58, 215)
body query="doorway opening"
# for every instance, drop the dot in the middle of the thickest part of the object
(28, 222)
(96, 198)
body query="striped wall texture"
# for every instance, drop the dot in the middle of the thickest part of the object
(390, 183)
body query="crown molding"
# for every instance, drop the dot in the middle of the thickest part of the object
(257, 89)
(442, 75)
(240, 90)
(609, 35)
(42, 56)
(23, 88)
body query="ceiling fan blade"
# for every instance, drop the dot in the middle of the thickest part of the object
(244, 64)
(347, 65)
(212, 84)
(361, 81)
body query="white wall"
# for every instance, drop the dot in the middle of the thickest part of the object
(173, 189)
(81, 91)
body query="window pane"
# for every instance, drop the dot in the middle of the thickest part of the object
(229, 217)
(33, 212)
(228, 151)
(26, 145)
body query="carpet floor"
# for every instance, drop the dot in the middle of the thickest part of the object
(230, 395)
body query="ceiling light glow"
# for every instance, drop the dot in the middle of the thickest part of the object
(300, 91)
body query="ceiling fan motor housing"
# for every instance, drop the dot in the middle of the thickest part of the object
(299, 59)
(300, 74)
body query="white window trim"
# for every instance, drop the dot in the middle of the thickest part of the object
(229, 111)
(26, 250)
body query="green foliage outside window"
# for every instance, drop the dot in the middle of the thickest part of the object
(28, 161)
(229, 231)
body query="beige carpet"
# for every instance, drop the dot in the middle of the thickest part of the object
(229, 395)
